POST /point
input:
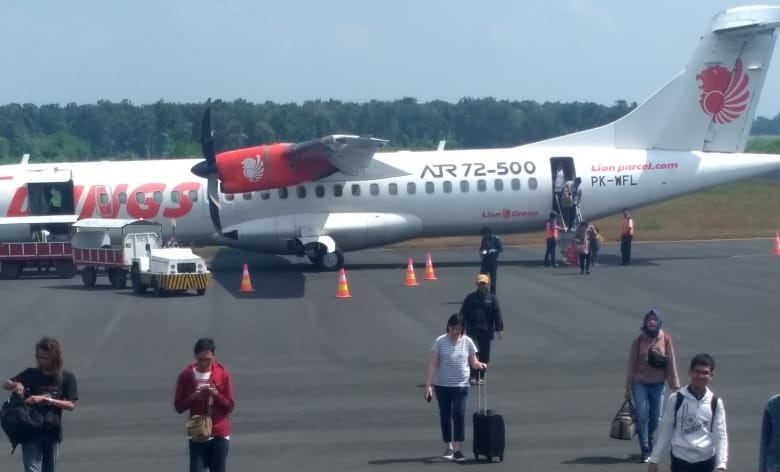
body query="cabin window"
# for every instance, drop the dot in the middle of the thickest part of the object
(338, 190)
(481, 185)
(103, 198)
(498, 184)
(175, 196)
(374, 189)
(392, 189)
(300, 191)
(193, 194)
(464, 186)
(515, 184)
(247, 196)
(355, 190)
(265, 195)
(140, 198)
(447, 186)
(283, 192)
(532, 183)
(411, 188)
(157, 196)
(122, 198)
(319, 191)
(230, 197)
(429, 187)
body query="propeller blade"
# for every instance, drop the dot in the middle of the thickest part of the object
(207, 138)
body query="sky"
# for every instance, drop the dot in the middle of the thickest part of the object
(185, 51)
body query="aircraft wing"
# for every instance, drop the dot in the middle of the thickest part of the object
(39, 219)
(349, 154)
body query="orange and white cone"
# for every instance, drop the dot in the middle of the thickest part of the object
(411, 280)
(246, 284)
(429, 273)
(343, 289)
(776, 250)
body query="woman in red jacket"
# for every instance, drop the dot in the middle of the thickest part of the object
(205, 388)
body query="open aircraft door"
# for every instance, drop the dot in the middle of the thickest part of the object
(50, 202)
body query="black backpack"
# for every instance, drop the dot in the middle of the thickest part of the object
(20, 421)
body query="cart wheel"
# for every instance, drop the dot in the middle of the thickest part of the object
(200, 291)
(89, 276)
(11, 270)
(65, 269)
(118, 278)
(501, 458)
(156, 289)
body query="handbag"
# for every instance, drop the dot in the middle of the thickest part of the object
(624, 423)
(199, 426)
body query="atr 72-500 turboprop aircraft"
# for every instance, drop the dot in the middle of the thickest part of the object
(321, 198)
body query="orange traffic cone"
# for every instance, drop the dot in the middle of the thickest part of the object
(343, 290)
(429, 273)
(411, 280)
(776, 251)
(246, 284)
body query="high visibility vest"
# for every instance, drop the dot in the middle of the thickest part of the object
(628, 226)
(56, 199)
(551, 231)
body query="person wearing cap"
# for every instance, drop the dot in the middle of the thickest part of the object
(482, 318)
(651, 362)
(551, 236)
(489, 249)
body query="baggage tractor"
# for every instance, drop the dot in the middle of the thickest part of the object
(489, 433)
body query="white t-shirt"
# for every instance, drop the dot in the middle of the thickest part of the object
(453, 370)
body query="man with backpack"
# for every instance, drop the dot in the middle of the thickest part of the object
(50, 389)
(695, 424)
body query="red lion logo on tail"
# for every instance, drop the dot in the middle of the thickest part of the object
(724, 94)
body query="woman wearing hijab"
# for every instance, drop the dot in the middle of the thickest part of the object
(651, 362)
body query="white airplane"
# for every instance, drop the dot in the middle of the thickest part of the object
(325, 197)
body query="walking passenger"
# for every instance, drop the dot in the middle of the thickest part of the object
(51, 389)
(205, 388)
(489, 249)
(448, 369)
(694, 423)
(582, 242)
(626, 236)
(769, 449)
(482, 320)
(651, 361)
(595, 245)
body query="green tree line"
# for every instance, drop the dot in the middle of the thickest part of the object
(122, 130)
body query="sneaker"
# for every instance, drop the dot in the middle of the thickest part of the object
(459, 457)
(448, 454)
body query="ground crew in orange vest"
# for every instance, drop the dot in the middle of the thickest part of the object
(551, 234)
(626, 236)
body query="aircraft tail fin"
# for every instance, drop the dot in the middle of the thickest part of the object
(710, 105)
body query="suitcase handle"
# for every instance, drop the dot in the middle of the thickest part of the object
(480, 388)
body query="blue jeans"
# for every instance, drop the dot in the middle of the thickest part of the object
(452, 412)
(211, 455)
(40, 454)
(648, 400)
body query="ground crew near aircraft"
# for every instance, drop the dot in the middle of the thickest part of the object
(205, 388)
(595, 245)
(55, 200)
(626, 236)
(489, 249)
(51, 389)
(551, 236)
(482, 318)
(694, 422)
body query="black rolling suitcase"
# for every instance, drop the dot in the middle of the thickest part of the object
(489, 434)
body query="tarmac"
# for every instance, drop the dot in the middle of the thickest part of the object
(324, 383)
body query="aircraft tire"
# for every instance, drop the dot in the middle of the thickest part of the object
(330, 261)
(89, 276)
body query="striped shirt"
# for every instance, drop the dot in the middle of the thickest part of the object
(453, 370)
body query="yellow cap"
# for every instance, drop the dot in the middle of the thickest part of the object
(483, 279)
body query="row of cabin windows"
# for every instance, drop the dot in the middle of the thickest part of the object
(392, 189)
(338, 191)
(140, 197)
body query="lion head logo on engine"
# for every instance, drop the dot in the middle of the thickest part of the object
(253, 168)
(724, 94)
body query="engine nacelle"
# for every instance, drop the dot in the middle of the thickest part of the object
(265, 168)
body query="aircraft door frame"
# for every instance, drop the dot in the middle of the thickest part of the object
(569, 173)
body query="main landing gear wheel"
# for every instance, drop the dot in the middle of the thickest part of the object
(89, 276)
(330, 261)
